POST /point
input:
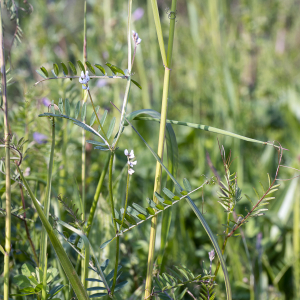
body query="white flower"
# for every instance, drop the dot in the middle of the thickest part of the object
(132, 163)
(211, 255)
(136, 38)
(131, 155)
(126, 152)
(84, 79)
(130, 171)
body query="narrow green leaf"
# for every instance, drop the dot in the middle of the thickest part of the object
(150, 210)
(111, 127)
(98, 295)
(61, 105)
(90, 67)
(136, 83)
(159, 197)
(72, 67)
(139, 208)
(130, 219)
(77, 109)
(67, 107)
(81, 66)
(120, 223)
(43, 69)
(56, 69)
(120, 285)
(151, 202)
(65, 69)
(168, 202)
(96, 288)
(93, 279)
(100, 68)
(187, 185)
(142, 217)
(168, 193)
(41, 73)
(160, 207)
(95, 143)
(83, 112)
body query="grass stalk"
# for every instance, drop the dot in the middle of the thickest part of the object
(7, 166)
(44, 238)
(162, 130)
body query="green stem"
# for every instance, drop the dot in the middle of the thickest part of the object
(126, 200)
(61, 254)
(162, 130)
(44, 291)
(44, 238)
(96, 197)
(224, 244)
(7, 167)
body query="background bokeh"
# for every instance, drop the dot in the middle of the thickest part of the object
(235, 67)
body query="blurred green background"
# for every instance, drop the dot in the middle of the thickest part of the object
(235, 67)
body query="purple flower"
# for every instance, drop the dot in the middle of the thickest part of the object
(138, 14)
(40, 138)
(46, 101)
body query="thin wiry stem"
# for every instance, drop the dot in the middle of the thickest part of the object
(126, 200)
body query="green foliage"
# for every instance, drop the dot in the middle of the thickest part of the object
(30, 282)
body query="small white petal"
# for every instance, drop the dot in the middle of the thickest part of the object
(82, 74)
(134, 163)
(130, 171)
(126, 152)
(131, 155)
(81, 80)
(138, 41)
(84, 87)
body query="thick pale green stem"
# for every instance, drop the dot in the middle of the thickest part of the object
(7, 167)
(162, 130)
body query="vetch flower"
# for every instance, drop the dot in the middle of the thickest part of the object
(211, 255)
(130, 163)
(130, 171)
(40, 138)
(84, 79)
(136, 38)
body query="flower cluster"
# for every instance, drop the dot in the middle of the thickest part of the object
(136, 38)
(84, 79)
(130, 163)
